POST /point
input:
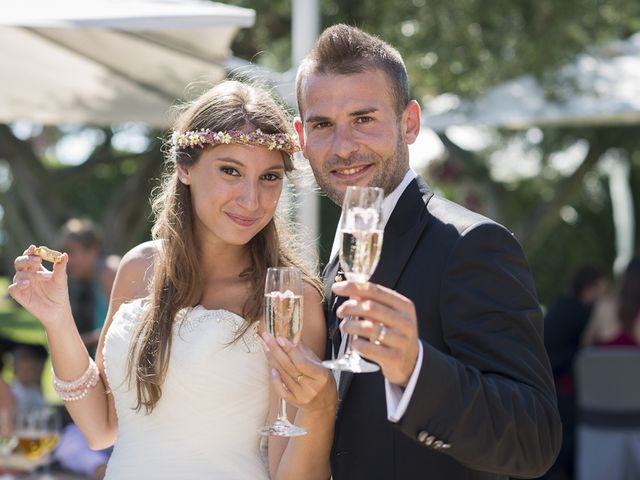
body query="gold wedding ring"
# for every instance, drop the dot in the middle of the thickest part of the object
(381, 334)
(299, 377)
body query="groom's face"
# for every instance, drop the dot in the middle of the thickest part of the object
(351, 133)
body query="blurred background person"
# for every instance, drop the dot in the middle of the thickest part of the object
(7, 401)
(616, 318)
(568, 316)
(28, 364)
(72, 451)
(91, 276)
(608, 435)
(564, 324)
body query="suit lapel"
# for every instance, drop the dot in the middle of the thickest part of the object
(401, 233)
(329, 276)
(404, 228)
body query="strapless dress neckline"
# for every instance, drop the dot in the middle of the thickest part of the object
(214, 399)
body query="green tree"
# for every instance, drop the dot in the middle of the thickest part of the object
(465, 47)
(458, 46)
(111, 187)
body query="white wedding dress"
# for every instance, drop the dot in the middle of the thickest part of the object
(214, 399)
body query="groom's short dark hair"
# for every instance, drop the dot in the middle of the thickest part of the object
(343, 49)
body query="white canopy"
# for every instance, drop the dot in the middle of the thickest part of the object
(107, 61)
(602, 87)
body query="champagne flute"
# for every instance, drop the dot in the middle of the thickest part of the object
(360, 247)
(283, 317)
(38, 432)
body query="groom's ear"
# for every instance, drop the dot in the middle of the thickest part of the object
(411, 122)
(297, 124)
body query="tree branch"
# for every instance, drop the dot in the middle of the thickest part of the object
(546, 215)
(33, 184)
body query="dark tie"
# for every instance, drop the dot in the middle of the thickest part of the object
(334, 331)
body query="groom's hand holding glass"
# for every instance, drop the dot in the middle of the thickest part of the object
(386, 326)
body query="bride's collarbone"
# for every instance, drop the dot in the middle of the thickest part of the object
(228, 294)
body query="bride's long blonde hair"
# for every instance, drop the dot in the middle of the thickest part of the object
(177, 276)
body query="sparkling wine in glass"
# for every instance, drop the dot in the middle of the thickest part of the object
(283, 318)
(38, 432)
(361, 235)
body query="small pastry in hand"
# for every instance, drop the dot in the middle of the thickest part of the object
(48, 254)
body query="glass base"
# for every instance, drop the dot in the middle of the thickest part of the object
(282, 428)
(351, 362)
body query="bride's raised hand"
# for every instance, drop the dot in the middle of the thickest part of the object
(44, 293)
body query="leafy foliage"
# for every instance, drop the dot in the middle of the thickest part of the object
(458, 46)
(465, 47)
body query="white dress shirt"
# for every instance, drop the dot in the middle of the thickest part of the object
(397, 398)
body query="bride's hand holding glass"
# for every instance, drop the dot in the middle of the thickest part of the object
(299, 377)
(283, 311)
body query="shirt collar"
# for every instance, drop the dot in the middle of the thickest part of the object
(390, 201)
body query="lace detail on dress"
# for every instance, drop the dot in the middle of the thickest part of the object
(188, 319)
(131, 313)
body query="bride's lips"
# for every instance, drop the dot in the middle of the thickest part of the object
(352, 172)
(242, 221)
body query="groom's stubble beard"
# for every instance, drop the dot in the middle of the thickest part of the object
(389, 171)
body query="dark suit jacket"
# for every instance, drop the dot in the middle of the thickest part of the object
(484, 404)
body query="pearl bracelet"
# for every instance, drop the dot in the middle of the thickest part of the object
(78, 388)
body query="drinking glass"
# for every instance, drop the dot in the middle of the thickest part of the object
(38, 432)
(360, 247)
(283, 317)
(8, 439)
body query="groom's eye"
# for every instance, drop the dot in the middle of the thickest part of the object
(364, 119)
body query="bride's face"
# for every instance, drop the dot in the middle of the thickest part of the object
(234, 191)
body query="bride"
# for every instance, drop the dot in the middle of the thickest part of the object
(182, 381)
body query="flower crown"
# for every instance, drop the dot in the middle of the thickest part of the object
(200, 138)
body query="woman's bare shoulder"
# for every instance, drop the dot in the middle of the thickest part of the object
(136, 270)
(312, 291)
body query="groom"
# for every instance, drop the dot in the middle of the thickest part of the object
(451, 314)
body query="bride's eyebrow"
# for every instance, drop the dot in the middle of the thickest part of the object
(230, 160)
(234, 161)
(277, 166)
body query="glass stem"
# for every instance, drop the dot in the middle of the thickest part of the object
(282, 411)
(348, 349)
